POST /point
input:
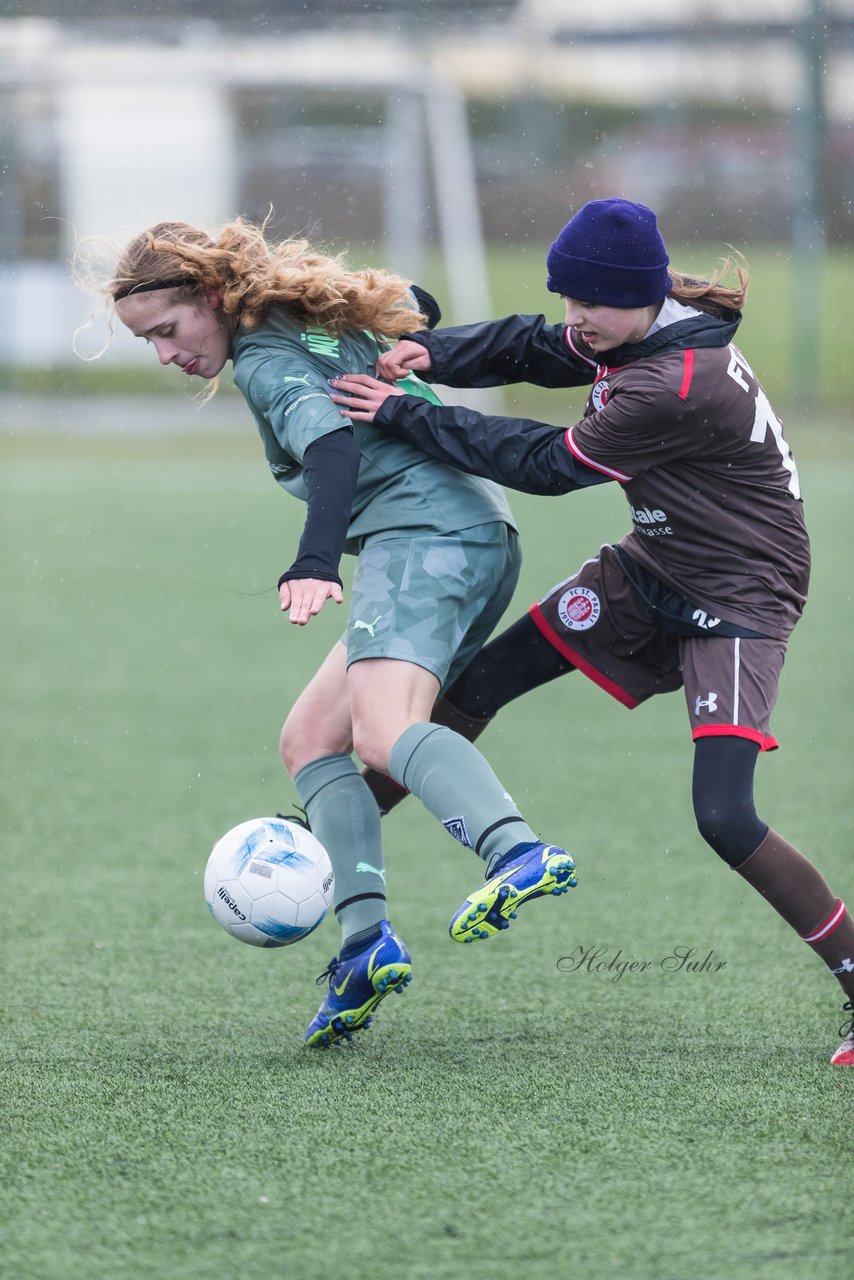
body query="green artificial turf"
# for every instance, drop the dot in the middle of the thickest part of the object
(510, 1115)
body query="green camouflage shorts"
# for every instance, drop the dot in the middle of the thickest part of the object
(432, 599)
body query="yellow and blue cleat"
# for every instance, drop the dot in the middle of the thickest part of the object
(357, 984)
(526, 872)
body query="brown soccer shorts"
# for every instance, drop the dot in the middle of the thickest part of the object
(595, 620)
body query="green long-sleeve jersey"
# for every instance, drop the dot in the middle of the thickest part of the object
(282, 369)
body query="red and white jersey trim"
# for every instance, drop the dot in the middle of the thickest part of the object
(574, 349)
(687, 373)
(622, 476)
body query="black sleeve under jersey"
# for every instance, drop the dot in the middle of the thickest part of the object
(331, 470)
(517, 452)
(496, 352)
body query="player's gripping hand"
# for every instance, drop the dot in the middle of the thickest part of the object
(303, 598)
(405, 357)
(361, 395)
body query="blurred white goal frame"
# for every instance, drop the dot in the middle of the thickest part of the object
(147, 131)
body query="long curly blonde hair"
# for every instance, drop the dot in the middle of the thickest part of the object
(251, 275)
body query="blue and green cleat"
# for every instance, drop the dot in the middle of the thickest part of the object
(528, 871)
(357, 984)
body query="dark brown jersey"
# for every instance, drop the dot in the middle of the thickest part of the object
(678, 419)
(711, 482)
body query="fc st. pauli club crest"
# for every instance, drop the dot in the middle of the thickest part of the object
(579, 609)
(599, 394)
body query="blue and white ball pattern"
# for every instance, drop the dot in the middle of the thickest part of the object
(269, 882)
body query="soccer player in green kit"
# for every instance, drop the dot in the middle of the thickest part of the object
(437, 563)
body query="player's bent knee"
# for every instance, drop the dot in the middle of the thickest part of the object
(304, 740)
(733, 835)
(289, 749)
(372, 751)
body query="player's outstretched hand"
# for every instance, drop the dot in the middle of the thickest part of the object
(404, 357)
(361, 395)
(303, 598)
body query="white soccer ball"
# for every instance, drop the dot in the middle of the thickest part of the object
(269, 882)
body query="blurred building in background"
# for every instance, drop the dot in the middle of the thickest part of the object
(394, 126)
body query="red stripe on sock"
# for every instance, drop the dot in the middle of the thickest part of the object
(829, 925)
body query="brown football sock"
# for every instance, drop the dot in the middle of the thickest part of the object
(389, 793)
(800, 894)
(384, 789)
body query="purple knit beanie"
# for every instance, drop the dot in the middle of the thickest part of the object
(611, 253)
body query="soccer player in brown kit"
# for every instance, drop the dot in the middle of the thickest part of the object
(704, 591)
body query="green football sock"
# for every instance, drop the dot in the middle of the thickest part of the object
(344, 816)
(453, 781)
